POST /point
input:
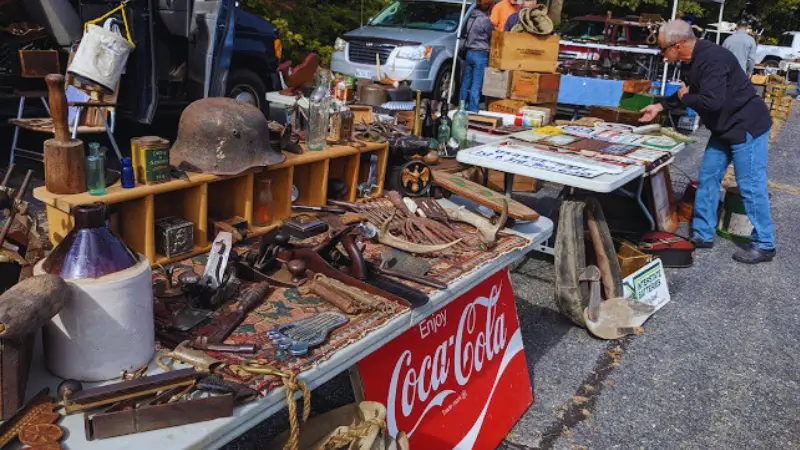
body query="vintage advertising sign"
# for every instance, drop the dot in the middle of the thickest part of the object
(459, 378)
(648, 285)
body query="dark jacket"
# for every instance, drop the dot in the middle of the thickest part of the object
(511, 21)
(722, 94)
(479, 31)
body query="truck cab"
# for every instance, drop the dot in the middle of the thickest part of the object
(788, 48)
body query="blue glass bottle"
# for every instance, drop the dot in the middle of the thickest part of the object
(96, 170)
(128, 180)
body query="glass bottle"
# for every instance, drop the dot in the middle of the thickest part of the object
(444, 116)
(95, 170)
(348, 120)
(428, 125)
(443, 133)
(319, 115)
(128, 180)
(263, 205)
(460, 126)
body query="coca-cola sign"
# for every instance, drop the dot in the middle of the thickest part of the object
(459, 378)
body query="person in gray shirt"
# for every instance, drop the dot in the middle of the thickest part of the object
(743, 47)
(479, 36)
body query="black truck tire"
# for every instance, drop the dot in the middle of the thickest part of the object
(579, 218)
(246, 86)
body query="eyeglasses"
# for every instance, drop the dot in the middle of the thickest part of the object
(664, 50)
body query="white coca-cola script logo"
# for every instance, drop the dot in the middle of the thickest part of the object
(413, 388)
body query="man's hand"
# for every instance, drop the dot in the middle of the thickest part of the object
(682, 91)
(650, 112)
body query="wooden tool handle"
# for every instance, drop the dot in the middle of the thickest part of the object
(58, 105)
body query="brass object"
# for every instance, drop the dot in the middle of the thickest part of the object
(418, 115)
(40, 410)
(184, 353)
(42, 433)
(150, 158)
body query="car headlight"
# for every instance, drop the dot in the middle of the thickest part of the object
(416, 53)
(339, 45)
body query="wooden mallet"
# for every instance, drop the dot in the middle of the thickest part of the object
(64, 157)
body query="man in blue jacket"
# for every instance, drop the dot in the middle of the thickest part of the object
(719, 90)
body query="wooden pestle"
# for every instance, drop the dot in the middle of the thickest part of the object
(64, 157)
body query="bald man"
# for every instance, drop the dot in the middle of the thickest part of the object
(719, 90)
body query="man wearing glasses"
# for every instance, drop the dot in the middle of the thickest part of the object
(720, 91)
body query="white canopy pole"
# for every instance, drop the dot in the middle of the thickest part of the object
(719, 22)
(666, 64)
(455, 54)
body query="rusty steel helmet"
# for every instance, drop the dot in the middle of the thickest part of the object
(223, 137)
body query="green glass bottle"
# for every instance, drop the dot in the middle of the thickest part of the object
(460, 126)
(96, 170)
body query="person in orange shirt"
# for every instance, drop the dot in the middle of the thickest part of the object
(502, 11)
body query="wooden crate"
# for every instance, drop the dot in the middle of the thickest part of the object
(524, 51)
(535, 88)
(134, 211)
(615, 115)
(509, 106)
(637, 86)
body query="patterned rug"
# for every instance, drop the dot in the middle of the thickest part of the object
(287, 305)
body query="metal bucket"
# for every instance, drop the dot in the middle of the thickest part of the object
(100, 59)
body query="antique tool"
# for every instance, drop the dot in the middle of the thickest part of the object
(482, 195)
(318, 209)
(215, 383)
(39, 410)
(337, 299)
(365, 188)
(13, 208)
(112, 393)
(156, 417)
(486, 231)
(615, 317)
(386, 238)
(404, 262)
(249, 300)
(217, 284)
(167, 289)
(365, 301)
(202, 343)
(384, 269)
(64, 157)
(186, 354)
(299, 336)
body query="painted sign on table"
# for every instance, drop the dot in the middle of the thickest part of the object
(459, 378)
(529, 157)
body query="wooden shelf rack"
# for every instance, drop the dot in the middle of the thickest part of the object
(134, 211)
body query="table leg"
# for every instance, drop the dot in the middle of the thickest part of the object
(508, 183)
(640, 201)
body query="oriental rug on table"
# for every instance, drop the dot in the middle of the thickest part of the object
(286, 305)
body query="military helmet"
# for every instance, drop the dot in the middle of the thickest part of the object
(223, 137)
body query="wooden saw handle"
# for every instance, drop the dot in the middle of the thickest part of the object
(58, 105)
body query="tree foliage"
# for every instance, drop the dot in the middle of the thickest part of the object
(313, 25)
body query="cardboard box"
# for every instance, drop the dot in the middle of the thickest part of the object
(508, 106)
(524, 51)
(496, 83)
(535, 88)
(637, 86)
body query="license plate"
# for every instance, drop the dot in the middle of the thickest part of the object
(363, 73)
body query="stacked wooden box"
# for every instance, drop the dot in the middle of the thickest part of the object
(778, 102)
(521, 73)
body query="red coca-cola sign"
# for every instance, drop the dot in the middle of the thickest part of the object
(459, 378)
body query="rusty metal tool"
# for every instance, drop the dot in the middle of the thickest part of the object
(249, 300)
(202, 343)
(385, 270)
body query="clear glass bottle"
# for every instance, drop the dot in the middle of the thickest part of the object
(319, 115)
(443, 133)
(263, 208)
(460, 126)
(96, 170)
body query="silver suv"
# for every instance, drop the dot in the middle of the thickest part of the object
(414, 39)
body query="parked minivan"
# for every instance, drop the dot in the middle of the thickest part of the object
(413, 39)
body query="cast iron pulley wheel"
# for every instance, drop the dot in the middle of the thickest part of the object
(246, 86)
(579, 218)
(771, 61)
(415, 178)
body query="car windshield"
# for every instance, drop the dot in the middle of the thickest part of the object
(585, 30)
(435, 16)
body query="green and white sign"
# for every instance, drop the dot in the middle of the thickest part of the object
(648, 285)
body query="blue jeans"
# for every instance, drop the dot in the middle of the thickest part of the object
(472, 83)
(750, 164)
